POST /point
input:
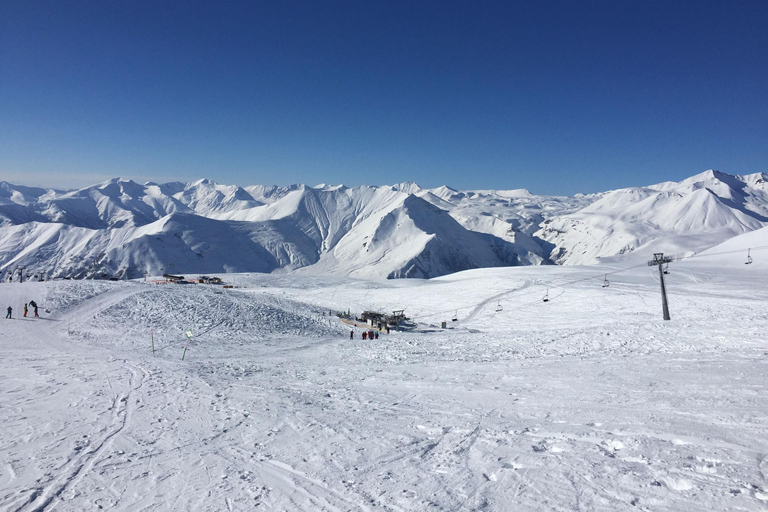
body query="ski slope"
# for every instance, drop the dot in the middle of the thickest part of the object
(586, 402)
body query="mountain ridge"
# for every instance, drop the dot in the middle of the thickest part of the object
(125, 229)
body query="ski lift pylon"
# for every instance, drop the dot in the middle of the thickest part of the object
(749, 258)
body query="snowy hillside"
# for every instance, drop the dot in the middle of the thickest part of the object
(123, 229)
(684, 217)
(416, 239)
(588, 401)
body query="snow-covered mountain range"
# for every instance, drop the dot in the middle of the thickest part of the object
(124, 229)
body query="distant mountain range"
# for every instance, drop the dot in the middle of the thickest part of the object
(123, 229)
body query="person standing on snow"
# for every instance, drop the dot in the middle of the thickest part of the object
(25, 310)
(352, 334)
(10, 310)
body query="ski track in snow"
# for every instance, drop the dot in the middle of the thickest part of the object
(587, 402)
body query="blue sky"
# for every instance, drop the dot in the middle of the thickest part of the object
(558, 97)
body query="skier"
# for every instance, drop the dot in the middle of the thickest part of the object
(38, 316)
(352, 334)
(376, 334)
(365, 334)
(10, 310)
(25, 310)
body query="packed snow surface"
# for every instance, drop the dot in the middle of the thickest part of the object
(589, 401)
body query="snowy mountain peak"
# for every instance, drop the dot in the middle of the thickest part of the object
(323, 186)
(711, 178)
(111, 182)
(18, 194)
(408, 187)
(515, 193)
(755, 180)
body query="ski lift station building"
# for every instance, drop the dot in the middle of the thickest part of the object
(374, 318)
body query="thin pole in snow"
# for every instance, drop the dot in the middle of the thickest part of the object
(152, 334)
(189, 337)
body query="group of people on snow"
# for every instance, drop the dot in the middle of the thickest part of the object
(367, 335)
(27, 305)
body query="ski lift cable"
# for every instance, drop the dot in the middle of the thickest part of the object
(653, 275)
(569, 283)
(675, 258)
(538, 300)
(722, 253)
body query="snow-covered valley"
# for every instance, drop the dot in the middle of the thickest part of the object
(589, 401)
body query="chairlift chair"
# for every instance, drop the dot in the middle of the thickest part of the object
(455, 316)
(749, 258)
(546, 297)
(666, 268)
(606, 284)
(499, 308)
